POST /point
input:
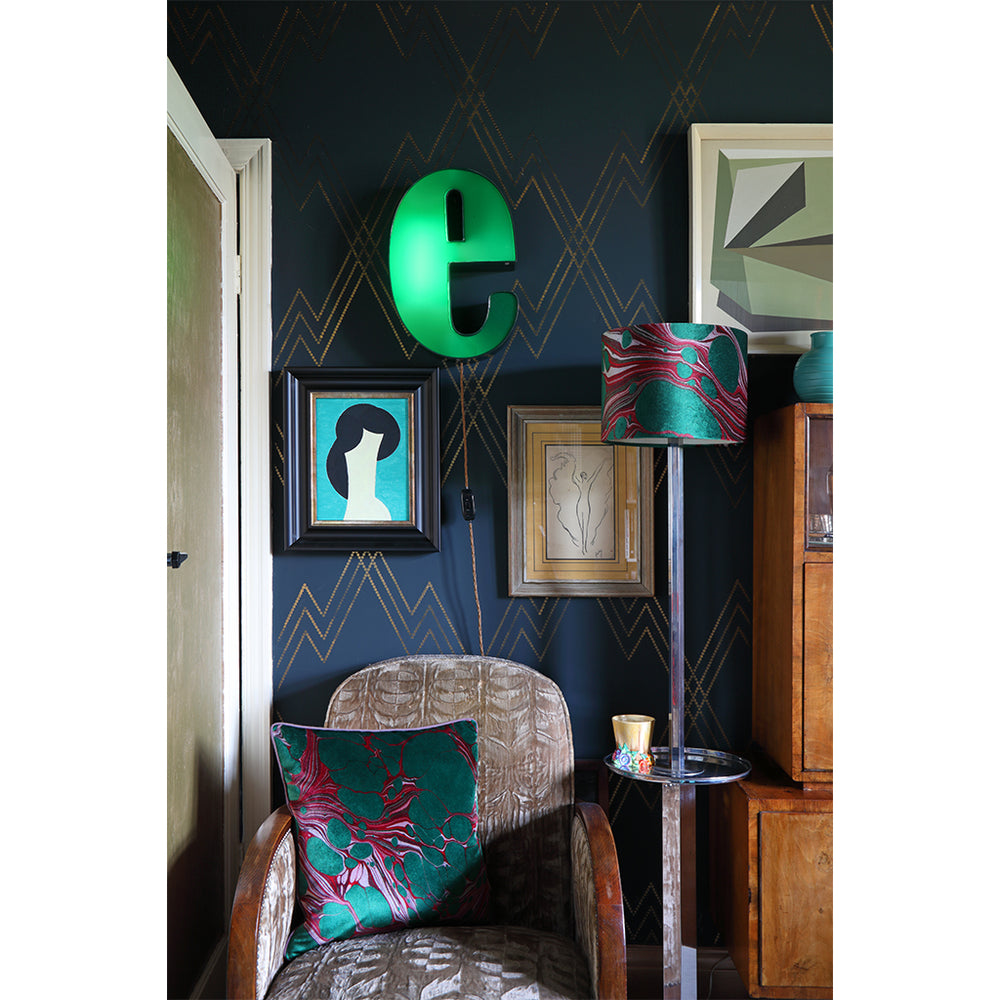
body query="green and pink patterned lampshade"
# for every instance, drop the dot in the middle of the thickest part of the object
(669, 382)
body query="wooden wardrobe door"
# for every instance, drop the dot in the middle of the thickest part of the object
(796, 899)
(817, 667)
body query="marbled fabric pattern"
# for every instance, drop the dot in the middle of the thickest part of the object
(525, 766)
(443, 963)
(385, 828)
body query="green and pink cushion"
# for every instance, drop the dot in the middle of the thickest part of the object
(385, 825)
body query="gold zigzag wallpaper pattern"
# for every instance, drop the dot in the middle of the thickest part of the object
(630, 166)
(422, 624)
(362, 99)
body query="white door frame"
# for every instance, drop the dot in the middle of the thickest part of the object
(251, 158)
(247, 586)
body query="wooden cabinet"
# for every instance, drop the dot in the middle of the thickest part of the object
(772, 884)
(772, 833)
(793, 589)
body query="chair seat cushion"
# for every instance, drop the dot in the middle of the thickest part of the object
(439, 963)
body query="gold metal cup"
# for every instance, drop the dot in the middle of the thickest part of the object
(633, 734)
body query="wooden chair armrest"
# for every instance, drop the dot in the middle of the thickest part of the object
(599, 911)
(262, 908)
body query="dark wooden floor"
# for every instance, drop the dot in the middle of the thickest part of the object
(717, 977)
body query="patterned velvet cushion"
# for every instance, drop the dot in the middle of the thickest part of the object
(385, 828)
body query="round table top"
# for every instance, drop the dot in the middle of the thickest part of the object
(701, 767)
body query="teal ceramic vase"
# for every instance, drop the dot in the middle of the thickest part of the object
(813, 373)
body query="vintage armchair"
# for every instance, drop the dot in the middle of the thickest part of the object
(558, 927)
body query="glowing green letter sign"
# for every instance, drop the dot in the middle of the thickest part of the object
(449, 218)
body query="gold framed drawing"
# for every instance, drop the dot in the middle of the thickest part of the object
(580, 512)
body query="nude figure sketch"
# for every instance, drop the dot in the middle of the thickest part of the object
(579, 503)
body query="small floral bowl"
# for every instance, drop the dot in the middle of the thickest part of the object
(632, 760)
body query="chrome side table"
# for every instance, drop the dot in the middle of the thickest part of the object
(680, 771)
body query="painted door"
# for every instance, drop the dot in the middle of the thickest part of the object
(203, 523)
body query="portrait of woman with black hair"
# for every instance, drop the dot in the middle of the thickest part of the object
(365, 435)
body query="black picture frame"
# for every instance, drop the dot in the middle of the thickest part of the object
(310, 397)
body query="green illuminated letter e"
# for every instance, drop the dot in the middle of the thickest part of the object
(449, 218)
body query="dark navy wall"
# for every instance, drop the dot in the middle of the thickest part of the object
(578, 112)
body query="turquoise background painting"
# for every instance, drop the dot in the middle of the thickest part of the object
(392, 474)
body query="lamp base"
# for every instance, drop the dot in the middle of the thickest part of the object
(688, 767)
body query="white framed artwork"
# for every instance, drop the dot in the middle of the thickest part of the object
(762, 231)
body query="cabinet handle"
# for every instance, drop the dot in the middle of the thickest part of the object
(175, 558)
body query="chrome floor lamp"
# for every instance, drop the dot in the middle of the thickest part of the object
(676, 385)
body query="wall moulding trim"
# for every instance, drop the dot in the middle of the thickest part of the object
(251, 158)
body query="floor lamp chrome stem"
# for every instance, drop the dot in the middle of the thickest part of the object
(680, 765)
(675, 517)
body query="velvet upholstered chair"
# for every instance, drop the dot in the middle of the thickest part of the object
(556, 928)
